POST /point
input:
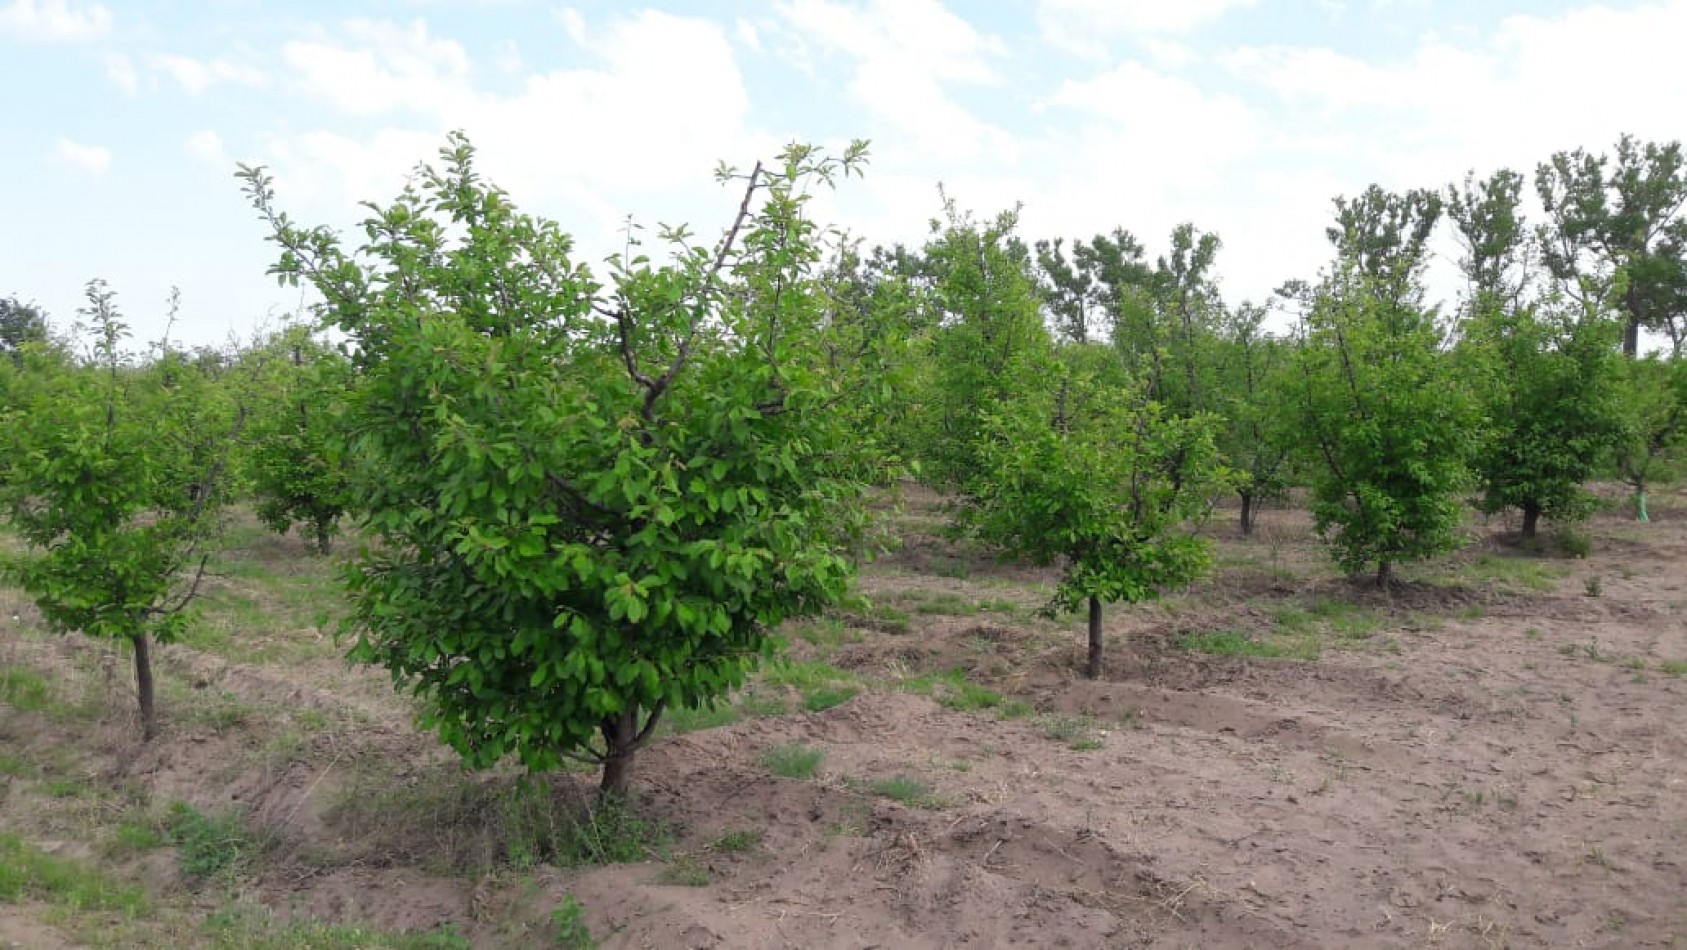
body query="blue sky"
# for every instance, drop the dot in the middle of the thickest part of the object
(125, 118)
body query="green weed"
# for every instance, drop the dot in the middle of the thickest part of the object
(737, 842)
(568, 926)
(28, 873)
(207, 845)
(794, 761)
(1237, 643)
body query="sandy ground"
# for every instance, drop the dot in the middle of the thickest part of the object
(1490, 766)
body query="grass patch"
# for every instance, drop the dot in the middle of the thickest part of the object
(1512, 571)
(684, 872)
(17, 766)
(24, 689)
(884, 618)
(952, 690)
(683, 720)
(253, 928)
(822, 698)
(821, 685)
(827, 633)
(28, 873)
(1673, 667)
(450, 821)
(738, 841)
(1238, 643)
(1077, 732)
(209, 845)
(907, 790)
(795, 761)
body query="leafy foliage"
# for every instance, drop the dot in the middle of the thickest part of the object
(1251, 385)
(1616, 229)
(592, 503)
(1653, 443)
(118, 472)
(1106, 484)
(20, 324)
(1392, 427)
(990, 345)
(1553, 403)
(295, 468)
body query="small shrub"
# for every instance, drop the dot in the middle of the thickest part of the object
(796, 761)
(568, 926)
(1593, 586)
(1574, 543)
(208, 844)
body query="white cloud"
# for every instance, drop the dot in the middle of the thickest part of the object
(747, 35)
(207, 146)
(1084, 26)
(93, 159)
(382, 68)
(907, 53)
(197, 75)
(1536, 85)
(610, 136)
(47, 21)
(121, 71)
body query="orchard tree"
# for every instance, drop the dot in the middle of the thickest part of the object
(1391, 427)
(118, 472)
(1110, 487)
(991, 344)
(1383, 238)
(1550, 387)
(1258, 435)
(20, 323)
(1653, 442)
(592, 503)
(296, 471)
(1619, 227)
(1547, 368)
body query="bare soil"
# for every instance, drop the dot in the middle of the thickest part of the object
(1468, 761)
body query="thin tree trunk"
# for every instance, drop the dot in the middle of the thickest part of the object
(620, 741)
(1247, 514)
(143, 686)
(1385, 573)
(1093, 670)
(1631, 338)
(324, 539)
(1531, 521)
(1640, 506)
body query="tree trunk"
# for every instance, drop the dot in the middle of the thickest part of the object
(620, 742)
(1631, 338)
(143, 686)
(1247, 514)
(1531, 521)
(1093, 670)
(1385, 573)
(324, 539)
(1640, 506)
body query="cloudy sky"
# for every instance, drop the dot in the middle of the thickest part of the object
(124, 118)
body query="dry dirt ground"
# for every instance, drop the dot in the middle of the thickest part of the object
(1492, 755)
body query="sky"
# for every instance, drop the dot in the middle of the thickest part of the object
(124, 120)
